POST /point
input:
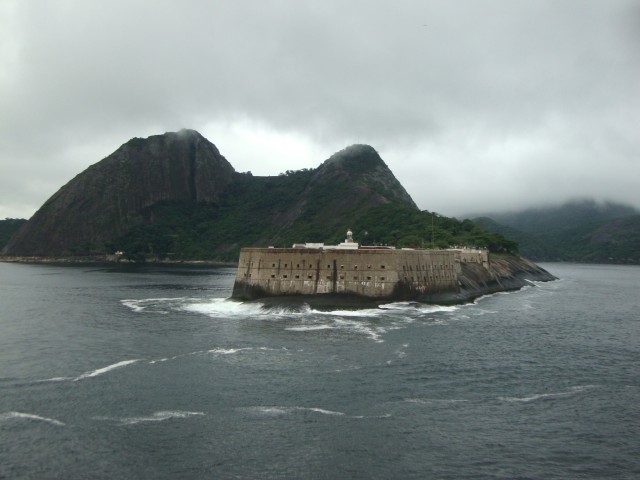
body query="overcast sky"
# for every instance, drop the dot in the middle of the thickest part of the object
(476, 105)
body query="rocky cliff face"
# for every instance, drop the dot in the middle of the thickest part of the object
(104, 201)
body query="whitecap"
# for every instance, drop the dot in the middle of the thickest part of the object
(284, 410)
(54, 379)
(30, 416)
(320, 410)
(160, 416)
(269, 410)
(538, 396)
(310, 328)
(103, 370)
(227, 351)
(160, 360)
(432, 401)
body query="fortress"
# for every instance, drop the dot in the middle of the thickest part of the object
(375, 273)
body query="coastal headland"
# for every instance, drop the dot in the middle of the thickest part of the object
(349, 273)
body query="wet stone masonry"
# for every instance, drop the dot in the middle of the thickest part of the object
(369, 272)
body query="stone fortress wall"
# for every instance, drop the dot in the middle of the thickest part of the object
(372, 272)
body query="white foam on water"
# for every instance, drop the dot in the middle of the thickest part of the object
(134, 305)
(159, 416)
(310, 328)
(366, 312)
(321, 410)
(275, 411)
(362, 328)
(155, 305)
(432, 401)
(217, 351)
(360, 417)
(400, 352)
(342, 324)
(418, 308)
(103, 370)
(538, 396)
(223, 307)
(392, 316)
(228, 351)
(54, 379)
(160, 360)
(282, 410)
(30, 416)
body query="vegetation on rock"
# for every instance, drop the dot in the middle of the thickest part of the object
(8, 227)
(579, 231)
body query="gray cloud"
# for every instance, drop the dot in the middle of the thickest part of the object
(475, 105)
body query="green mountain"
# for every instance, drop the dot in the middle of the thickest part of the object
(580, 231)
(8, 228)
(175, 196)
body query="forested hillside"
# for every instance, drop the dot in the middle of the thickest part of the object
(8, 227)
(581, 231)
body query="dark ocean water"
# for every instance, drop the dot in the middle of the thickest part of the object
(152, 373)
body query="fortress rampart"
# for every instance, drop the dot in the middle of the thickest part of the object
(376, 273)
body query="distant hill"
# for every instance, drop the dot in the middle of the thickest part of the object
(582, 231)
(176, 196)
(8, 227)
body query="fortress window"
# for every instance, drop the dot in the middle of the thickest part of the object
(298, 265)
(368, 278)
(273, 265)
(341, 266)
(245, 275)
(297, 276)
(382, 279)
(368, 266)
(273, 276)
(249, 275)
(381, 266)
(284, 276)
(310, 276)
(328, 266)
(355, 278)
(285, 265)
(328, 277)
(341, 277)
